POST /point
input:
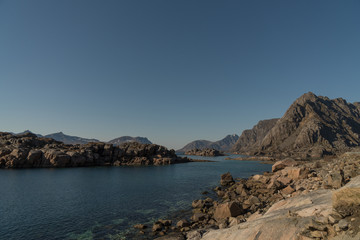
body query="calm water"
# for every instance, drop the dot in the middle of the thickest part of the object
(104, 202)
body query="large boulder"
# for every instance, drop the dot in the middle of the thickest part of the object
(295, 173)
(57, 158)
(226, 210)
(279, 165)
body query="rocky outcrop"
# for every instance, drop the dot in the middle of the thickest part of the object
(225, 144)
(250, 140)
(296, 201)
(29, 151)
(207, 152)
(126, 139)
(312, 127)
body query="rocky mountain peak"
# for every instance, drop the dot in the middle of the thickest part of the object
(313, 126)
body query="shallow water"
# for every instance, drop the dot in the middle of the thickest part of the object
(104, 202)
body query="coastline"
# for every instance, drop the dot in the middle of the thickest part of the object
(300, 191)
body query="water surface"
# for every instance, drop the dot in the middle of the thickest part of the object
(104, 202)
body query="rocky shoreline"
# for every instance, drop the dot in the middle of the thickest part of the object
(302, 200)
(30, 151)
(207, 152)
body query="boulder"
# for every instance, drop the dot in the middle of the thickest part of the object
(165, 222)
(295, 173)
(226, 210)
(198, 217)
(279, 165)
(198, 203)
(182, 223)
(226, 179)
(157, 227)
(288, 190)
(336, 179)
(140, 226)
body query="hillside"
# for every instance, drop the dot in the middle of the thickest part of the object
(251, 139)
(61, 137)
(224, 144)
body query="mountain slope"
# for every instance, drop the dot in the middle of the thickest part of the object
(224, 144)
(313, 126)
(125, 139)
(251, 139)
(61, 137)
(28, 131)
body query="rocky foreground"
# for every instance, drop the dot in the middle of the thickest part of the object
(207, 152)
(296, 201)
(30, 151)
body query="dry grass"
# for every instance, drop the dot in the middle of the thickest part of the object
(346, 200)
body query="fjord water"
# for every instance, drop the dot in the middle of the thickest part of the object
(104, 202)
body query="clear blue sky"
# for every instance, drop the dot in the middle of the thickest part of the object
(173, 71)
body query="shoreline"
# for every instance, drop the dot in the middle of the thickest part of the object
(241, 203)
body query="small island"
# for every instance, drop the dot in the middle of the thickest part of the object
(207, 152)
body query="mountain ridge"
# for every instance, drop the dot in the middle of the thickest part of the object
(224, 144)
(313, 126)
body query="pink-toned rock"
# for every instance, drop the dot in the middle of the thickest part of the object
(284, 180)
(288, 190)
(295, 173)
(225, 210)
(279, 165)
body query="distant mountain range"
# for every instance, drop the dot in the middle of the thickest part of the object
(313, 126)
(225, 144)
(126, 139)
(67, 139)
(61, 137)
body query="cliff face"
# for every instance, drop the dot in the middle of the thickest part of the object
(251, 139)
(313, 126)
(28, 151)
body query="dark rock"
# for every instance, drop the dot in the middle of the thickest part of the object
(198, 217)
(226, 179)
(157, 227)
(182, 223)
(204, 152)
(140, 226)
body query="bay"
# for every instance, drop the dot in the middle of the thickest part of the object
(105, 202)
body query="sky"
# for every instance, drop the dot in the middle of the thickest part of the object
(172, 71)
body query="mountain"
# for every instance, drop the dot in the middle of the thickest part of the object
(251, 139)
(61, 137)
(224, 144)
(126, 139)
(313, 126)
(28, 131)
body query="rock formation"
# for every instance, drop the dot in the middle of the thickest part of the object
(207, 152)
(299, 200)
(225, 144)
(251, 139)
(126, 139)
(28, 151)
(312, 127)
